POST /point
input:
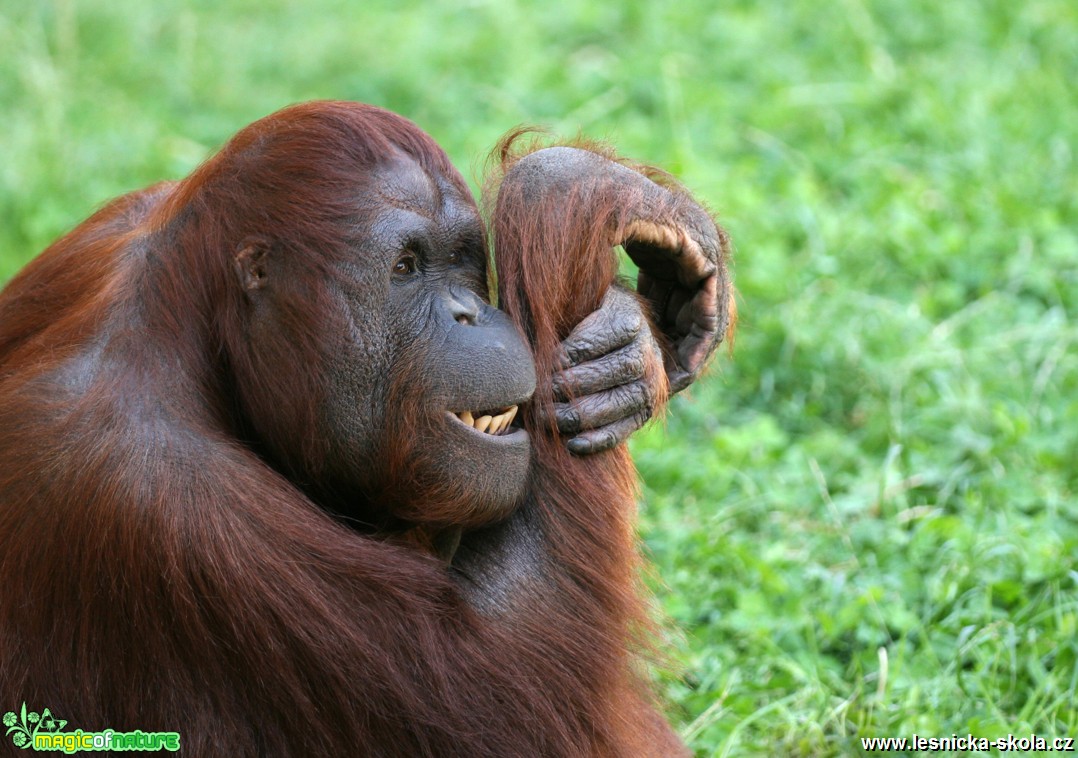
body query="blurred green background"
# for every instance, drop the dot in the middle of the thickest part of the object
(864, 522)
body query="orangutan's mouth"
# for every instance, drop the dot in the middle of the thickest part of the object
(489, 422)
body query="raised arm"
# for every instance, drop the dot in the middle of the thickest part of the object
(575, 197)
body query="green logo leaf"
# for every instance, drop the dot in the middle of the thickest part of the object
(24, 726)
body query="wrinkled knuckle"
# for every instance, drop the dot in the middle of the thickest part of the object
(573, 419)
(622, 296)
(565, 383)
(608, 439)
(635, 362)
(568, 418)
(583, 343)
(640, 417)
(624, 396)
(623, 369)
(628, 314)
(576, 350)
(623, 328)
(590, 373)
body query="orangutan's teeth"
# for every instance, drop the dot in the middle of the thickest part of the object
(503, 422)
(489, 423)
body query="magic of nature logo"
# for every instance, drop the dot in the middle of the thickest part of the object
(44, 732)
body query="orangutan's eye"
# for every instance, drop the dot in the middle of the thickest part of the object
(405, 265)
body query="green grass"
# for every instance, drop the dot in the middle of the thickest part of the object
(866, 522)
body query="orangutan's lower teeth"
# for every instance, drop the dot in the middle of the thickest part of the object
(489, 423)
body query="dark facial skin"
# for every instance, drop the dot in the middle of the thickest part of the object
(448, 350)
(454, 355)
(420, 344)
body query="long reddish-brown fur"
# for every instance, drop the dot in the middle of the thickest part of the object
(157, 573)
(555, 259)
